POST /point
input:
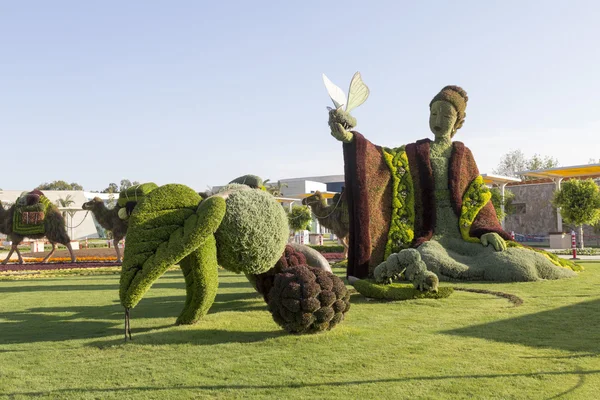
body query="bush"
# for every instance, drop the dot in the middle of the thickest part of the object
(299, 218)
(264, 282)
(338, 248)
(308, 300)
(397, 291)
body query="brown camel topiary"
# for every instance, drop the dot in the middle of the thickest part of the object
(334, 216)
(109, 220)
(54, 230)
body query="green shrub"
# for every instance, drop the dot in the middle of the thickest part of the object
(328, 249)
(253, 233)
(397, 291)
(308, 300)
(299, 218)
(264, 282)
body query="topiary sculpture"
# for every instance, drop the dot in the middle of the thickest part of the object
(304, 299)
(409, 263)
(264, 282)
(35, 217)
(108, 219)
(429, 196)
(241, 229)
(334, 216)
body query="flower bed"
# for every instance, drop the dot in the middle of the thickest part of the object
(57, 265)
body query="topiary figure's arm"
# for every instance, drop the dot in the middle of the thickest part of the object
(165, 227)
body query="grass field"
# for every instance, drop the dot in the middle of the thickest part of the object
(62, 337)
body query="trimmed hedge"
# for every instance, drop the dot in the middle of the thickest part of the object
(338, 248)
(308, 300)
(253, 233)
(397, 291)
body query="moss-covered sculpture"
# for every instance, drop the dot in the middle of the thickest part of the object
(35, 217)
(333, 216)
(241, 229)
(109, 219)
(129, 198)
(304, 299)
(264, 282)
(428, 195)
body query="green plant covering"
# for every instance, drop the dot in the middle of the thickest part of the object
(402, 224)
(474, 199)
(308, 300)
(299, 218)
(336, 248)
(558, 261)
(397, 291)
(252, 181)
(241, 229)
(409, 263)
(166, 228)
(135, 193)
(253, 233)
(20, 228)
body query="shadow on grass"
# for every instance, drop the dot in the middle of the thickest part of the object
(43, 324)
(573, 328)
(582, 374)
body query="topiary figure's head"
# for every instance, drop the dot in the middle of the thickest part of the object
(253, 232)
(264, 282)
(448, 111)
(253, 181)
(315, 198)
(308, 300)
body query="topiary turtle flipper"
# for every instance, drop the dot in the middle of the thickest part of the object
(172, 226)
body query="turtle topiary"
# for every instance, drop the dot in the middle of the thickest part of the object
(304, 299)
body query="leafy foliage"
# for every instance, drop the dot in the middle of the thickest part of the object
(397, 291)
(299, 218)
(579, 201)
(515, 161)
(509, 208)
(308, 300)
(59, 185)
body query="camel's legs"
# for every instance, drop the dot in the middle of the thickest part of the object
(12, 250)
(19, 254)
(45, 260)
(116, 242)
(345, 244)
(73, 258)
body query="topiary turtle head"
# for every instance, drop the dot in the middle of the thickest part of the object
(254, 231)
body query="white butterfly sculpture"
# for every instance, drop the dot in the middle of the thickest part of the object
(357, 94)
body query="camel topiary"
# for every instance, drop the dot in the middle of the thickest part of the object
(334, 216)
(35, 217)
(109, 220)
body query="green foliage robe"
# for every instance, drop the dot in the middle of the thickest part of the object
(391, 200)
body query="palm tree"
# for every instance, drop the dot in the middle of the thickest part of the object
(275, 189)
(66, 202)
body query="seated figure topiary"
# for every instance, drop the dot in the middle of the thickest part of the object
(429, 196)
(241, 229)
(304, 299)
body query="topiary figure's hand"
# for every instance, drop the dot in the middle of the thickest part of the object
(340, 122)
(495, 240)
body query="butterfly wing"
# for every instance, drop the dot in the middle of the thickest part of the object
(358, 93)
(335, 93)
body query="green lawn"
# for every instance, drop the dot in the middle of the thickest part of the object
(61, 337)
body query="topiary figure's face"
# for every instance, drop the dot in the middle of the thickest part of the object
(442, 119)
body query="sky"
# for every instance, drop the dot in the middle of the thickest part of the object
(200, 92)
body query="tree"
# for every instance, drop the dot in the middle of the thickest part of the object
(497, 202)
(299, 218)
(59, 185)
(579, 202)
(66, 202)
(276, 189)
(515, 161)
(112, 188)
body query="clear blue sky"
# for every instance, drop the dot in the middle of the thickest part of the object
(199, 92)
